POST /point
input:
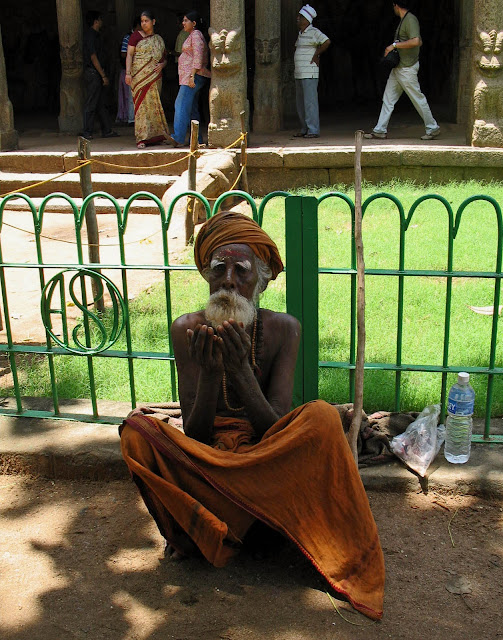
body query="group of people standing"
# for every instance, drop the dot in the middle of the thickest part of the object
(146, 56)
(145, 59)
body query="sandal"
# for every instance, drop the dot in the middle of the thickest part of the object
(141, 145)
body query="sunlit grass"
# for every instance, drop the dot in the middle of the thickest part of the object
(426, 247)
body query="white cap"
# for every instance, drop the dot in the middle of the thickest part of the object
(463, 377)
(308, 12)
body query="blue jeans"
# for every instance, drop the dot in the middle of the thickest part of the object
(306, 91)
(187, 109)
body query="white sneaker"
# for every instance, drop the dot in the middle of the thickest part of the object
(432, 135)
(374, 134)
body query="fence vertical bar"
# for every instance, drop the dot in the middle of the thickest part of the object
(8, 328)
(294, 289)
(121, 230)
(90, 364)
(52, 371)
(399, 330)
(310, 287)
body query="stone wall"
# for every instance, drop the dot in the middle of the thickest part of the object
(283, 169)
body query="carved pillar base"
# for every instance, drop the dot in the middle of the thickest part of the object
(487, 112)
(228, 72)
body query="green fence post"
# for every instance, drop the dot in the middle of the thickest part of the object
(310, 297)
(294, 292)
(301, 235)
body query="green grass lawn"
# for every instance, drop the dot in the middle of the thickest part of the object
(424, 303)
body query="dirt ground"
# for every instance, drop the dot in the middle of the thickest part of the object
(85, 560)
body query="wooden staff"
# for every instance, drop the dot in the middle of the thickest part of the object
(244, 175)
(354, 430)
(91, 221)
(190, 220)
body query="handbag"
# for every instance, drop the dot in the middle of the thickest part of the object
(391, 60)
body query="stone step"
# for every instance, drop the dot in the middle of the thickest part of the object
(158, 161)
(117, 185)
(102, 205)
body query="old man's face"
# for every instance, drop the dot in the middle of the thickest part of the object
(233, 278)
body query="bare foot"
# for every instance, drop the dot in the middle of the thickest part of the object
(172, 554)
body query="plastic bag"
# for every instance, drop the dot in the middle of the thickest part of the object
(418, 445)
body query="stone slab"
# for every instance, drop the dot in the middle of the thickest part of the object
(67, 449)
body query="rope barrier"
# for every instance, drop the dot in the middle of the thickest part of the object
(83, 163)
(84, 244)
(37, 184)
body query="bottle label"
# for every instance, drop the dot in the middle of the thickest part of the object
(460, 407)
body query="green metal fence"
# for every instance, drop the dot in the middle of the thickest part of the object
(83, 283)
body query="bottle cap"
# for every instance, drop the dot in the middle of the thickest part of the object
(463, 377)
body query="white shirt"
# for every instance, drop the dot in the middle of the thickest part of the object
(305, 47)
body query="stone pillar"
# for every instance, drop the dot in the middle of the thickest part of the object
(267, 82)
(228, 71)
(8, 136)
(487, 112)
(70, 46)
(464, 92)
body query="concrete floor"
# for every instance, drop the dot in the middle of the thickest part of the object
(405, 129)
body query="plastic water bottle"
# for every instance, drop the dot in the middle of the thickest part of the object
(458, 425)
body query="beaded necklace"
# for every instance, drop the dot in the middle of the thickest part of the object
(253, 363)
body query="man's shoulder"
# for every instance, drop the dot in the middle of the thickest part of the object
(278, 321)
(410, 20)
(316, 34)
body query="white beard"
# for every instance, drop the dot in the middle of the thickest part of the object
(224, 305)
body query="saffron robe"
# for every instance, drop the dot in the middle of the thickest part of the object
(300, 479)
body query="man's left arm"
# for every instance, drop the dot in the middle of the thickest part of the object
(319, 50)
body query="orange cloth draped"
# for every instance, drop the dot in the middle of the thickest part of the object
(229, 227)
(300, 479)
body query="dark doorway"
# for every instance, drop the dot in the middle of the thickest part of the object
(350, 77)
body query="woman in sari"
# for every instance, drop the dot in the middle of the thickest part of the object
(146, 58)
(193, 74)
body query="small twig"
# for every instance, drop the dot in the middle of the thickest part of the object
(441, 505)
(357, 624)
(449, 526)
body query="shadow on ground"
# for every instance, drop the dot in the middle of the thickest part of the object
(84, 560)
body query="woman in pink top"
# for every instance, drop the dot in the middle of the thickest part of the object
(193, 74)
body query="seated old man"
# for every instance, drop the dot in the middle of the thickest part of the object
(244, 455)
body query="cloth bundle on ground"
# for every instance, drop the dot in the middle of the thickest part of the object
(300, 479)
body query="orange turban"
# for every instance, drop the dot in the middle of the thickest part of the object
(229, 227)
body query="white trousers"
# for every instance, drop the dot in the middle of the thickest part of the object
(404, 79)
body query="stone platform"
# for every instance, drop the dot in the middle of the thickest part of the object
(77, 450)
(277, 161)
